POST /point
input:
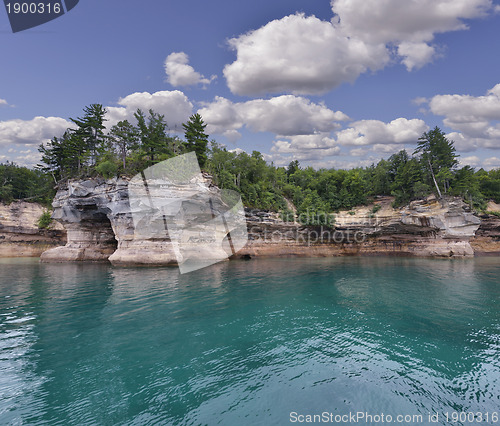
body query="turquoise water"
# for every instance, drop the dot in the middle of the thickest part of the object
(249, 343)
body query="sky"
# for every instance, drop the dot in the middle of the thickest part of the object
(332, 84)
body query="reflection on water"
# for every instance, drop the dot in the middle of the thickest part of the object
(247, 342)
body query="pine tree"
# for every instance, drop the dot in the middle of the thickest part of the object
(437, 155)
(124, 137)
(89, 133)
(196, 138)
(152, 134)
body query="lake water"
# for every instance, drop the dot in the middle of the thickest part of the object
(257, 342)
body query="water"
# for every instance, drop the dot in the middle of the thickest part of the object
(248, 343)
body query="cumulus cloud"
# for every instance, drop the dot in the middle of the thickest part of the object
(409, 25)
(305, 55)
(285, 115)
(473, 161)
(415, 55)
(473, 119)
(307, 147)
(32, 132)
(3, 102)
(471, 115)
(180, 73)
(491, 163)
(371, 132)
(174, 105)
(301, 55)
(416, 20)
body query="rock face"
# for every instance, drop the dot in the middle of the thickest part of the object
(424, 228)
(487, 239)
(98, 218)
(19, 233)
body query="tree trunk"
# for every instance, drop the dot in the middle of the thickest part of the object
(434, 179)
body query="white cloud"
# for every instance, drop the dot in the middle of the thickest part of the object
(473, 161)
(285, 115)
(237, 150)
(463, 143)
(410, 25)
(469, 114)
(180, 73)
(28, 159)
(305, 55)
(174, 105)
(221, 116)
(474, 119)
(415, 55)
(32, 132)
(370, 132)
(302, 143)
(304, 148)
(420, 100)
(3, 102)
(491, 163)
(414, 21)
(232, 135)
(301, 55)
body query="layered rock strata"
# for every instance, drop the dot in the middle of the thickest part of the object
(99, 221)
(19, 232)
(424, 228)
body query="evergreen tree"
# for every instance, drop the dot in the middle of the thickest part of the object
(89, 134)
(124, 136)
(62, 156)
(152, 134)
(196, 138)
(438, 156)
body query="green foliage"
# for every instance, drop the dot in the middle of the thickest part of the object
(287, 215)
(130, 148)
(124, 137)
(107, 168)
(196, 138)
(21, 183)
(88, 138)
(438, 157)
(45, 220)
(376, 208)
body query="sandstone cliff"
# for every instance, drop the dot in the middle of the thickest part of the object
(19, 233)
(97, 216)
(424, 228)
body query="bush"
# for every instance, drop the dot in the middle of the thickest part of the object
(107, 169)
(45, 220)
(287, 215)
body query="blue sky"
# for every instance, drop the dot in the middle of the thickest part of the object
(335, 84)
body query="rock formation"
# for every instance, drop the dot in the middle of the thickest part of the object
(98, 219)
(19, 233)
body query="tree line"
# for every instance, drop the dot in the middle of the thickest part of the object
(127, 148)
(432, 168)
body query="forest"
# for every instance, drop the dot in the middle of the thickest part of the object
(90, 150)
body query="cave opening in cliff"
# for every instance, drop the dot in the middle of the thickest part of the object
(101, 232)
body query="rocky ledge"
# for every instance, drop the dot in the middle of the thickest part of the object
(98, 219)
(19, 232)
